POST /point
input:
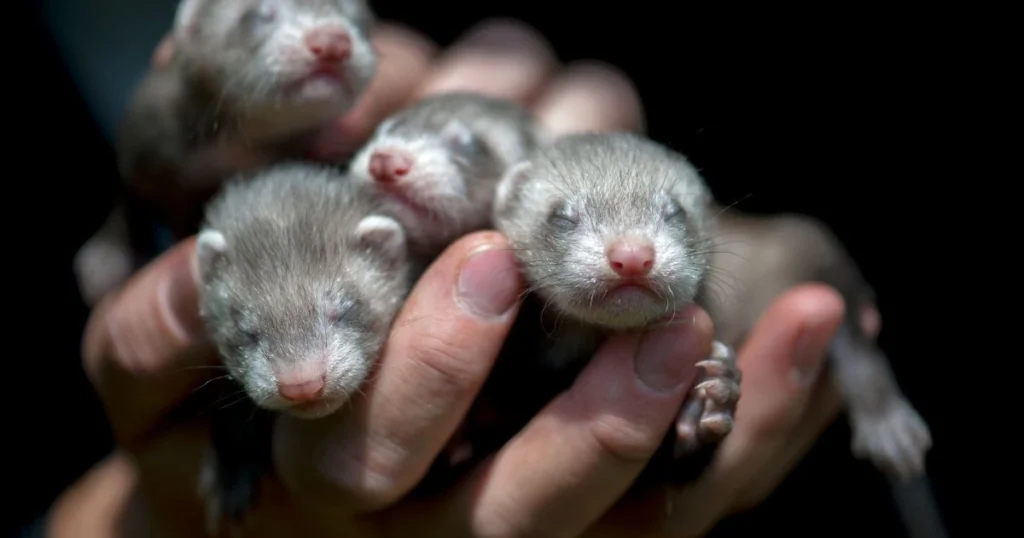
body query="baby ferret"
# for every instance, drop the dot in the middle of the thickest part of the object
(300, 276)
(614, 230)
(250, 82)
(437, 163)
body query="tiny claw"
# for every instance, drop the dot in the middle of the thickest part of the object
(719, 391)
(719, 424)
(714, 368)
(707, 417)
(688, 425)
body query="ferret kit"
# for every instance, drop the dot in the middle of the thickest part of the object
(303, 265)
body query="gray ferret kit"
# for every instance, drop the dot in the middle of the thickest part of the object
(458, 145)
(304, 267)
(437, 162)
(614, 240)
(613, 230)
(301, 277)
(251, 82)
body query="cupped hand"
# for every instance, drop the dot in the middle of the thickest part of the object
(784, 406)
(347, 475)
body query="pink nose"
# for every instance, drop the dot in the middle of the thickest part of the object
(301, 390)
(329, 44)
(388, 165)
(631, 258)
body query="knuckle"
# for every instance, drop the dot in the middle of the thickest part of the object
(605, 75)
(369, 487)
(409, 43)
(130, 332)
(95, 341)
(510, 33)
(611, 89)
(131, 342)
(624, 439)
(446, 366)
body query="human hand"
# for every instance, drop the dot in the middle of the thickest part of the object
(144, 363)
(346, 475)
(783, 408)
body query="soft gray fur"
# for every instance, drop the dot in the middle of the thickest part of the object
(228, 102)
(559, 207)
(756, 259)
(297, 264)
(562, 208)
(462, 143)
(230, 86)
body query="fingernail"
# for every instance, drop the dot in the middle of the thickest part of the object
(664, 357)
(488, 283)
(182, 300)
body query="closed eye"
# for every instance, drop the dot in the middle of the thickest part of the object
(264, 13)
(339, 313)
(562, 219)
(673, 210)
(250, 338)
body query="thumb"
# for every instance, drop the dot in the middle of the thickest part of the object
(142, 345)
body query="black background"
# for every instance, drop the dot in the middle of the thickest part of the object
(839, 115)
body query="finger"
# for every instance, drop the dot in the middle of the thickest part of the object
(441, 348)
(821, 410)
(870, 321)
(780, 362)
(144, 347)
(590, 96)
(584, 450)
(164, 52)
(499, 57)
(95, 504)
(404, 59)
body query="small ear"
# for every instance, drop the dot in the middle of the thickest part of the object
(210, 246)
(185, 16)
(459, 137)
(383, 235)
(510, 185)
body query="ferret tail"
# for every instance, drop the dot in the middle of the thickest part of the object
(917, 507)
(914, 500)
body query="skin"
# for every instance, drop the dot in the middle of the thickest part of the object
(347, 476)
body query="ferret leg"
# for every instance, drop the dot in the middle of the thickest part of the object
(106, 260)
(239, 458)
(709, 410)
(886, 428)
(707, 415)
(209, 492)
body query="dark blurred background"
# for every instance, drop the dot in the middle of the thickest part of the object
(828, 114)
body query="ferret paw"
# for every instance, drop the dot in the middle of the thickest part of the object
(223, 505)
(100, 267)
(709, 410)
(895, 440)
(208, 492)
